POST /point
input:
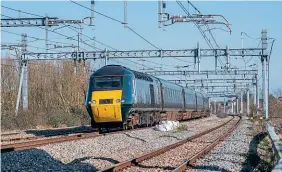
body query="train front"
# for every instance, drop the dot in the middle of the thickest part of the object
(109, 96)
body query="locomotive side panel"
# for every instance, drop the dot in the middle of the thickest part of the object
(142, 94)
(147, 95)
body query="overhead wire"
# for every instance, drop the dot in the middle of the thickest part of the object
(82, 33)
(208, 29)
(95, 12)
(199, 28)
(118, 22)
(63, 24)
(52, 31)
(207, 26)
(127, 27)
(250, 37)
(31, 41)
(37, 39)
(98, 12)
(252, 56)
(130, 28)
(75, 31)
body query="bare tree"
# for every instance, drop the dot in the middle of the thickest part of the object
(56, 95)
(278, 92)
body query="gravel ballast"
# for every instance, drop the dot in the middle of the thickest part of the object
(175, 157)
(231, 154)
(100, 152)
(25, 135)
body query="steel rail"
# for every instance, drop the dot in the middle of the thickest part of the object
(36, 143)
(21, 138)
(9, 134)
(65, 138)
(33, 142)
(206, 150)
(42, 136)
(135, 161)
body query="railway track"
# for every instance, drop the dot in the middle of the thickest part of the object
(9, 134)
(25, 138)
(23, 143)
(36, 143)
(178, 156)
(41, 141)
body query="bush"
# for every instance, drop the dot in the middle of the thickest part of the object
(55, 95)
(181, 128)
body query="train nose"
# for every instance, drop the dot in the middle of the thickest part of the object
(106, 106)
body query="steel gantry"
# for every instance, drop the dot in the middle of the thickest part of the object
(220, 86)
(180, 53)
(166, 19)
(231, 88)
(213, 80)
(185, 53)
(35, 22)
(222, 94)
(204, 72)
(38, 22)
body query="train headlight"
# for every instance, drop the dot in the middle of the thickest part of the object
(118, 101)
(92, 102)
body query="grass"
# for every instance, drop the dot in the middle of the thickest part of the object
(264, 142)
(45, 118)
(181, 128)
(267, 158)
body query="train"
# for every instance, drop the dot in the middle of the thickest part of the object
(118, 97)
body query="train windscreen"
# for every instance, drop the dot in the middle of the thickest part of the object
(107, 83)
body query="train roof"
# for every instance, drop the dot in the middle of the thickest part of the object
(122, 70)
(109, 70)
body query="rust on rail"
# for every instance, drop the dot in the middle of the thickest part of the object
(9, 134)
(65, 138)
(37, 143)
(135, 161)
(206, 150)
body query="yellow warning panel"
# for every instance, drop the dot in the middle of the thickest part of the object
(106, 106)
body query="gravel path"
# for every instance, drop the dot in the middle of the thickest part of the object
(231, 154)
(97, 153)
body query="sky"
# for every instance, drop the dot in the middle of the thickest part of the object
(248, 17)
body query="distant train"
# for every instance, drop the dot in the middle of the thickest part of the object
(120, 97)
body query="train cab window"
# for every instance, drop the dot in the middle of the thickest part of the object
(107, 83)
